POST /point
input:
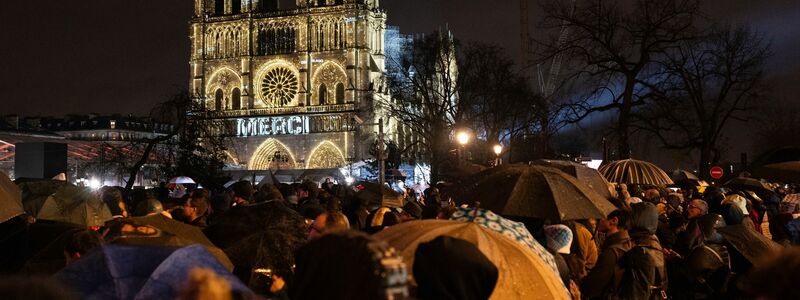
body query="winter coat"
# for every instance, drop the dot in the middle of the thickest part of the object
(584, 252)
(603, 280)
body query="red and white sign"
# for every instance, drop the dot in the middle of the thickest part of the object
(716, 172)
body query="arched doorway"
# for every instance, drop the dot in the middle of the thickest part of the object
(325, 155)
(271, 154)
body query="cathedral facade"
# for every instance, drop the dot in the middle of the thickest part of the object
(297, 88)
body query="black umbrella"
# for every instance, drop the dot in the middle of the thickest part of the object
(534, 192)
(788, 171)
(36, 191)
(168, 233)
(264, 235)
(745, 183)
(683, 175)
(45, 243)
(377, 194)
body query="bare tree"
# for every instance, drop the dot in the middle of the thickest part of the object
(192, 147)
(613, 47)
(709, 82)
(424, 85)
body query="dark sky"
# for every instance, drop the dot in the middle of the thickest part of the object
(124, 56)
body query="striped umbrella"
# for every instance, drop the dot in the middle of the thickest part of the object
(631, 171)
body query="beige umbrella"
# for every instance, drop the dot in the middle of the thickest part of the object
(591, 177)
(631, 171)
(10, 199)
(523, 275)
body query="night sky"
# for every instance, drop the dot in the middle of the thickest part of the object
(124, 56)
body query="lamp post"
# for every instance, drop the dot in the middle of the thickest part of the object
(498, 149)
(462, 137)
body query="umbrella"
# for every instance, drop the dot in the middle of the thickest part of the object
(375, 193)
(75, 205)
(535, 192)
(182, 180)
(261, 235)
(511, 229)
(36, 191)
(523, 275)
(746, 183)
(591, 177)
(10, 199)
(45, 246)
(135, 272)
(753, 245)
(173, 233)
(631, 171)
(788, 171)
(683, 175)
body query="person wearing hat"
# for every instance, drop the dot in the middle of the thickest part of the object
(741, 203)
(559, 241)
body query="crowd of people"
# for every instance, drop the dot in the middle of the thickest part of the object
(658, 244)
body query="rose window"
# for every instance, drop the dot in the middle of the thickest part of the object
(279, 87)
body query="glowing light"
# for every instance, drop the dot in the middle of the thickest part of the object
(594, 164)
(462, 137)
(349, 180)
(497, 149)
(94, 183)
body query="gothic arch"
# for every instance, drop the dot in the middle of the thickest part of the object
(262, 158)
(325, 155)
(225, 79)
(329, 73)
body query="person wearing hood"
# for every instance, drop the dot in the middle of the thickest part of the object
(645, 272)
(451, 268)
(604, 279)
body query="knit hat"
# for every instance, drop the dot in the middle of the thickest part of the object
(559, 238)
(737, 201)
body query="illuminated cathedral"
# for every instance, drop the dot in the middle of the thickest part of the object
(292, 85)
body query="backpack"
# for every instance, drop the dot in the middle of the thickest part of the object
(644, 275)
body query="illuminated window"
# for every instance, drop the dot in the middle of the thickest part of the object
(113, 124)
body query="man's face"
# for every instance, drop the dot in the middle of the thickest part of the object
(607, 225)
(694, 209)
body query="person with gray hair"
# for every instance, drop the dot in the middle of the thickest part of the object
(696, 208)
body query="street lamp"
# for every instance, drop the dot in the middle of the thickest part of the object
(498, 149)
(462, 137)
